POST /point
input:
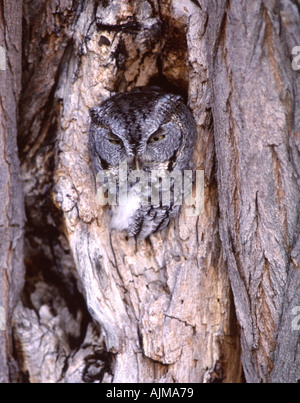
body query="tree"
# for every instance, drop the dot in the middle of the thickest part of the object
(211, 294)
(11, 195)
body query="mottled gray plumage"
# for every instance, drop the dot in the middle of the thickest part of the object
(152, 130)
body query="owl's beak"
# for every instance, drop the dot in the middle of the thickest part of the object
(137, 164)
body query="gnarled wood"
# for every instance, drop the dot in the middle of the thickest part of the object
(164, 305)
(164, 309)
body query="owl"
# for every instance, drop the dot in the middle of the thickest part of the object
(149, 130)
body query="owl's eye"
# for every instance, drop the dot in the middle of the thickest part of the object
(115, 140)
(156, 138)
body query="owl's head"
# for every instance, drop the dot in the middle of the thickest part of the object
(146, 127)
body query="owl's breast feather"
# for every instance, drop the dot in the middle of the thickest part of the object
(123, 216)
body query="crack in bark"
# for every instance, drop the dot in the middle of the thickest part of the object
(182, 321)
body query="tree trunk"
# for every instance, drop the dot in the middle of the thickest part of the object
(256, 93)
(209, 294)
(11, 196)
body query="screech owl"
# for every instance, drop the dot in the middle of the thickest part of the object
(152, 131)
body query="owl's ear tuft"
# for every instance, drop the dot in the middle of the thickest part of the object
(94, 114)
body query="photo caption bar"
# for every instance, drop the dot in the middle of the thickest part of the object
(139, 392)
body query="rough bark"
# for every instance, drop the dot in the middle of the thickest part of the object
(256, 98)
(11, 195)
(162, 310)
(165, 305)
